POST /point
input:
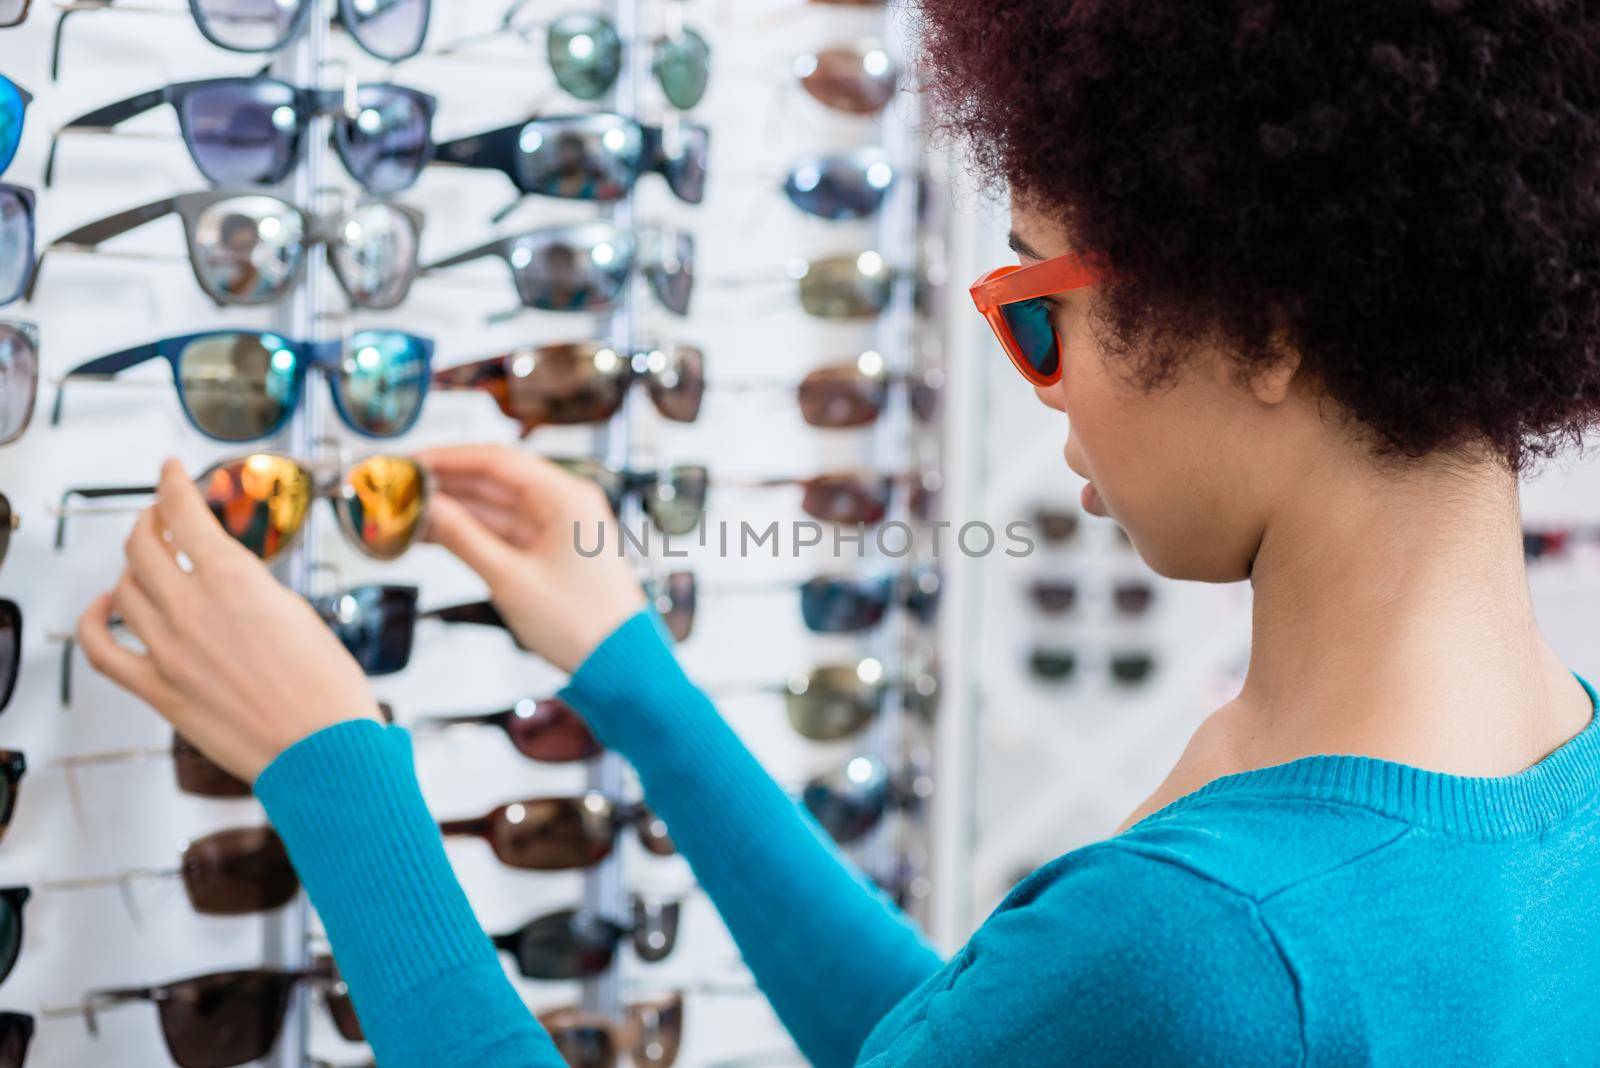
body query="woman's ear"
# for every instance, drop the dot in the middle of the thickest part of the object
(1271, 384)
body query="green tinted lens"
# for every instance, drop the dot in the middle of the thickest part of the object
(678, 499)
(381, 381)
(832, 703)
(846, 287)
(682, 65)
(585, 55)
(595, 471)
(1035, 333)
(238, 387)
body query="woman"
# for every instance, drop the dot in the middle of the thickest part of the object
(1312, 283)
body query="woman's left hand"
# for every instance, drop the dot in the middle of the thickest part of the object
(242, 666)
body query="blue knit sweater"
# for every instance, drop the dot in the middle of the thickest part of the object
(1334, 910)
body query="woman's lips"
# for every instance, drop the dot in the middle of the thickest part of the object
(1091, 502)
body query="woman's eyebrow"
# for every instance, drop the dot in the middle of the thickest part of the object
(1021, 247)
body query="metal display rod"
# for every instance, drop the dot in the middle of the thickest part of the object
(287, 933)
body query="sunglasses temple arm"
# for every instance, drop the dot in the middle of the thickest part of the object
(478, 613)
(63, 511)
(439, 723)
(88, 237)
(472, 828)
(123, 878)
(104, 368)
(98, 1001)
(101, 120)
(505, 212)
(492, 248)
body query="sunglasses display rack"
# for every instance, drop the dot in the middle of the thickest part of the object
(809, 376)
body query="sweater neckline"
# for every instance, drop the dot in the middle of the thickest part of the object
(1477, 807)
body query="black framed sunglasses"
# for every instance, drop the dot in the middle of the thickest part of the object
(13, 13)
(596, 157)
(17, 268)
(252, 131)
(248, 247)
(12, 898)
(580, 943)
(13, 766)
(390, 30)
(582, 267)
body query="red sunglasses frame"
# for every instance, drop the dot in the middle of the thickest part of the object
(1013, 284)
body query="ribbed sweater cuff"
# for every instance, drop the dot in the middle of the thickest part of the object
(716, 798)
(346, 803)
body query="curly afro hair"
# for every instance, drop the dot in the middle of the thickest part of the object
(1406, 192)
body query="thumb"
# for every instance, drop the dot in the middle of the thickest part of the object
(451, 525)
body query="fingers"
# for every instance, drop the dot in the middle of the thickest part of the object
(132, 671)
(139, 614)
(451, 525)
(152, 561)
(539, 486)
(182, 510)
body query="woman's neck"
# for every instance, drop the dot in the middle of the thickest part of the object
(1392, 619)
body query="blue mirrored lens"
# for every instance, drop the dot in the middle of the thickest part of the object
(1031, 325)
(840, 187)
(382, 380)
(11, 109)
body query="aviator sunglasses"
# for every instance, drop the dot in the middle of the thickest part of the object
(243, 385)
(587, 157)
(857, 79)
(253, 130)
(834, 604)
(848, 186)
(19, 376)
(547, 730)
(852, 800)
(582, 267)
(1011, 300)
(561, 833)
(249, 248)
(390, 30)
(585, 53)
(583, 382)
(835, 701)
(262, 500)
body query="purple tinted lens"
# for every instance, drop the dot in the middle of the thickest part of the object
(389, 29)
(19, 381)
(247, 25)
(16, 244)
(242, 131)
(386, 145)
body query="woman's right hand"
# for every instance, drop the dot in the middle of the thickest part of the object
(515, 519)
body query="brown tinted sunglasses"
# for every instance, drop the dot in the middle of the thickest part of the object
(651, 1035)
(196, 773)
(230, 873)
(854, 394)
(216, 1020)
(583, 382)
(546, 730)
(561, 833)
